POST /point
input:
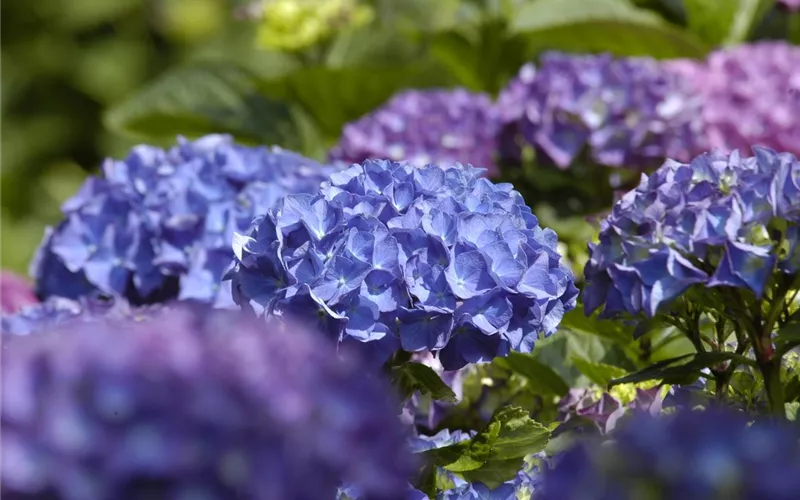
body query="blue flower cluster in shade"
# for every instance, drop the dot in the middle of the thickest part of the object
(721, 220)
(692, 455)
(392, 256)
(193, 404)
(625, 112)
(159, 224)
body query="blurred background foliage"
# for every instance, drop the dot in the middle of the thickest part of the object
(87, 79)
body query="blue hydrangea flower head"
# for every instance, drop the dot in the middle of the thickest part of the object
(425, 126)
(158, 225)
(193, 405)
(391, 256)
(720, 220)
(624, 112)
(708, 454)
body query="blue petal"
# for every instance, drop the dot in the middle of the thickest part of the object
(421, 330)
(470, 345)
(468, 275)
(489, 312)
(341, 276)
(429, 285)
(537, 281)
(506, 270)
(442, 226)
(383, 288)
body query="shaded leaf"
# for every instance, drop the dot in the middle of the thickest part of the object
(672, 371)
(412, 377)
(727, 22)
(553, 24)
(542, 379)
(202, 98)
(599, 373)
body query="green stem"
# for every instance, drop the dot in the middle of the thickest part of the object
(771, 372)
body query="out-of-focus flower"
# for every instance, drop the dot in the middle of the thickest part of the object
(792, 5)
(388, 255)
(193, 405)
(15, 293)
(425, 126)
(624, 112)
(293, 25)
(606, 408)
(706, 454)
(751, 96)
(709, 222)
(159, 224)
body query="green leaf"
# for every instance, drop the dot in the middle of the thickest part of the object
(201, 98)
(542, 379)
(615, 331)
(599, 373)
(335, 96)
(725, 22)
(614, 26)
(788, 333)
(791, 411)
(412, 377)
(496, 453)
(672, 371)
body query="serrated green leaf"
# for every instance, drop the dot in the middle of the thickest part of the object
(496, 453)
(412, 377)
(599, 373)
(552, 25)
(725, 22)
(542, 379)
(201, 98)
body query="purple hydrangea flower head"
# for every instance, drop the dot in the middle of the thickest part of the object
(15, 293)
(193, 405)
(390, 256)
(158, 225)
(709, 222)
(624, 112)
(751, 96)
(425, 126)
(792, 5)
(707, 454)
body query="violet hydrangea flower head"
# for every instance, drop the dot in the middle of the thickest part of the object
(158, 225)
(709, 454)
(425, 126)
(721, 220)
(15, 293)
(792, 5)
(624, 112)
(191, 405)
(751, 96)
(389, 255)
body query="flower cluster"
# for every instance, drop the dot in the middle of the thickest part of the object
(688, 455)
(792, 5)
(629, 112)
(159, 224)
(425, 126)
(15, 293)
(751, 96)
(721, 220)
(192, 405)
(433, 258)
(295, 25)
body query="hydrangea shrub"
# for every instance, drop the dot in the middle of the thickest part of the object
(432, 258)
(716, 240)
(193, 405)
(158, 225)
(750, 95)
(708, 454)
(442, 127)
(622, 112)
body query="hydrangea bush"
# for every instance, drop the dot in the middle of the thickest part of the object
(432, 258)
(750, 95)
(713, 240)
(623, 112)
(197, 405)
(709, 454)
(158, 225)
(443, 127)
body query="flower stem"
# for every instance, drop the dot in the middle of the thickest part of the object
(771, 372)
